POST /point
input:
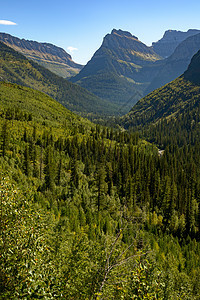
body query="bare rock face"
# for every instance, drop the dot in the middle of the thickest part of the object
(50, 56)
(128, 47)
(177, 63)
(170, 40)
(120, 69)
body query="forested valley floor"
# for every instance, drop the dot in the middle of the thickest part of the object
(90, 212)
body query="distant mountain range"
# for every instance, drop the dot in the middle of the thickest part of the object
(49, 56)
(170, 40)
(124, 69)
(16, 68)
(175, 64)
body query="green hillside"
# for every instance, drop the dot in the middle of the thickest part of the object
(15, 68)
(114, 88)
(89, 212)
(170, 112)
(193, 72)
(168, 115)
(18, 101)
(166, 102)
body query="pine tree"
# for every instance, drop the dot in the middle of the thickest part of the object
(4, 138)
(49, 169)
(27, 163)
(101, 185)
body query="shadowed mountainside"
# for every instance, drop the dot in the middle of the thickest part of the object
(120, 69)
(177, 100)
(170, 40)
(177, 63)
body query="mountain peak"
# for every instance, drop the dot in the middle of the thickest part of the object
(180, 35)
(170, 40)
(123, 33)
(119, 69)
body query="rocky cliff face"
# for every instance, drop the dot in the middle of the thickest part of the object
(120, 69)
(177, 63)
(170, 40)
(50, 56)
(127, 47)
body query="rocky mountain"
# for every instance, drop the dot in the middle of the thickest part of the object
(177, 63)
(120, 70)
(177, 101)
(16, 68)
(49, 56)
(170, 40)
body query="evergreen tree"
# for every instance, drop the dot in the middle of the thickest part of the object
(101, 186)
(4, 138)
(49, 169)
(27, 163)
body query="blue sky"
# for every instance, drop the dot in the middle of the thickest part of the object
(83, 24)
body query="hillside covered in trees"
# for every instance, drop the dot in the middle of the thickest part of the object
(16, 68)
(90, 212)
(171, 114)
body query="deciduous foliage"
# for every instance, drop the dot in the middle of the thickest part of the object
(89, 212)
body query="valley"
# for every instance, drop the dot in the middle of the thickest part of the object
(92, 211)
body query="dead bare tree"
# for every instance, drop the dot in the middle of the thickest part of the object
(119, 260)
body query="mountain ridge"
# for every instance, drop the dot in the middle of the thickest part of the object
(16, 68)
(170, 40)
(124, 69)
(177, 63)
(48, 55)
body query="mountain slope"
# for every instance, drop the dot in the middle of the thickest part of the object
(193, 72)
(15, 68)
(177, 63)
(72, 193)
(177, 103)
(170, 40)
(165, 102)
(120, 69)
(54, 58)
(23, 101)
